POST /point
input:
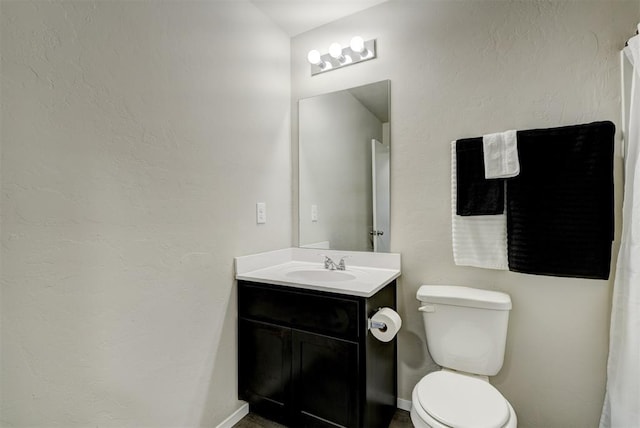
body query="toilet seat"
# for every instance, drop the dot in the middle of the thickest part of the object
(448, 399)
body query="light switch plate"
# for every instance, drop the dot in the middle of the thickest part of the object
(261, 213)
(314, 213)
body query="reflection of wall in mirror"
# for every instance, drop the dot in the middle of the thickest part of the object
(335, 171)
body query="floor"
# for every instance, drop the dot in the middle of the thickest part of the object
(400, 420)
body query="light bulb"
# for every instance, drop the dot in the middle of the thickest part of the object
(357, 44)
(314, 57)
(335, 50)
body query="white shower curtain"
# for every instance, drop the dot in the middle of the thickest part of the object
(622, 400)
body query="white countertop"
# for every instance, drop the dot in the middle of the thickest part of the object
(365, 273)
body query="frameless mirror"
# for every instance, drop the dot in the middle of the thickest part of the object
(344, 154)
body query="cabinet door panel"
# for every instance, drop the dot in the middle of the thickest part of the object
(264, 372)
(325, 388)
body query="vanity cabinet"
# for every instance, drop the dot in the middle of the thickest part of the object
(307, 359)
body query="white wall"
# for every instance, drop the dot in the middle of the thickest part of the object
(462, 69)
(136, 139)
(335, 159)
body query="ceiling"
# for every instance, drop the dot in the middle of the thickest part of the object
(297, 16)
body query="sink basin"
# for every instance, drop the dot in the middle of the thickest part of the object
(320, 275)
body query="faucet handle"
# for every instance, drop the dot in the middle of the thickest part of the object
(341, 265)
(328, 263)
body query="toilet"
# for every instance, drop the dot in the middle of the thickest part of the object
(466, 335)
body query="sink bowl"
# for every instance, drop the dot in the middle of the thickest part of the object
(319, 275)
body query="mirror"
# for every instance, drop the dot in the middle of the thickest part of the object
(344, 154)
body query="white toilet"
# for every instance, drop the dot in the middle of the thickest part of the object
(466, 335)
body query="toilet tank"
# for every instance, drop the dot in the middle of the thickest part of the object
(466, 327)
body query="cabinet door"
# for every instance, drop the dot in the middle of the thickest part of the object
(325, 381)
(264, 368)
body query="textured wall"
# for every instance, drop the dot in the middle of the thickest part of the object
(462, 69)
(136, 139)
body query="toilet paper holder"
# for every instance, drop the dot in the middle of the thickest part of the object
(377, 324)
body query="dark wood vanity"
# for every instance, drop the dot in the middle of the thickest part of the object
(307, 359)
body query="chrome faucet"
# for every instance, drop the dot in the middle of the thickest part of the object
(331, 265)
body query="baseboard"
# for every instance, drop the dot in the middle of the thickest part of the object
(235, 417)
(404, 404)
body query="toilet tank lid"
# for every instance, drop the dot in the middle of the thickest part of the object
(464, 296)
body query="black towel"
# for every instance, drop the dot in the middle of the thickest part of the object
(475, 195)
(560, 208)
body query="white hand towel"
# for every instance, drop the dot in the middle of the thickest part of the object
(500, 155)
(479, 241)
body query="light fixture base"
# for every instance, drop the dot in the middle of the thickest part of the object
(350, 57)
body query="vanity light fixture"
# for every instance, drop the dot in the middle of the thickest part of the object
(358, 50)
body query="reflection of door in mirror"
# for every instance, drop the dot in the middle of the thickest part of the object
(380, 194)
(336, 168)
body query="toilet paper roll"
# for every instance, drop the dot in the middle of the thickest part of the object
(391, 319)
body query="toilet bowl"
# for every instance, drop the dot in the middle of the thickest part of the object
(446, 399)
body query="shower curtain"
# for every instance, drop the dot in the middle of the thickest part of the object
(622, 399)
